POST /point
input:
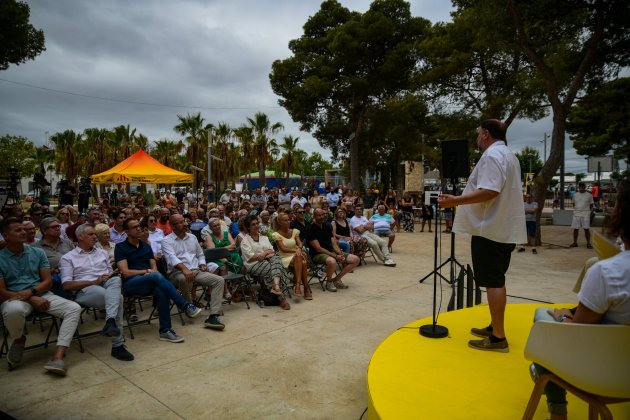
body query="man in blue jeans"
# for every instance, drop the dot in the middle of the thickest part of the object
(140, 277)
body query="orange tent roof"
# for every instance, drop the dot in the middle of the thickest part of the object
(142, 168)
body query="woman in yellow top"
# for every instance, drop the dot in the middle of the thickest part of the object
(290, 251)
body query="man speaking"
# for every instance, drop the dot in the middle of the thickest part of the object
(492, 213)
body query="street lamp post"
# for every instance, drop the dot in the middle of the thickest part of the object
(195, 189)
(544, 141)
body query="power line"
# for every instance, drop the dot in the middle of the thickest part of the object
(101, 98)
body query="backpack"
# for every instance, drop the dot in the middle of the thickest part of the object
(267, 298)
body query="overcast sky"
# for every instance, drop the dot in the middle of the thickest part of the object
(211, 56)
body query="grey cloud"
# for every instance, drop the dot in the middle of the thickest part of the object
(208, 53)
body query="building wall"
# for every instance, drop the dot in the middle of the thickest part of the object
(413, 176)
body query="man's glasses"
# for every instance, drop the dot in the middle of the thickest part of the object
(54, 227)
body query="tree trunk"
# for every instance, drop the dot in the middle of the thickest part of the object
(549, 169)
(355, 177)
(261, 173)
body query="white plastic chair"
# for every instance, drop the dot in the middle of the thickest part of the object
(592, 361)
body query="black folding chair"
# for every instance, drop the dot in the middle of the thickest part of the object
(235, 281)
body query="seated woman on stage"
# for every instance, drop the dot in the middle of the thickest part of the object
(603, 299)
(220, 239)
(260, 259)
(290, 251)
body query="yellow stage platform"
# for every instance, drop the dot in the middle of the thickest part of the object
(414, 377)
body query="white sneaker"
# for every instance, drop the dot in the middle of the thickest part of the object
(390, 263)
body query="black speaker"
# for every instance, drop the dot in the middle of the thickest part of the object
(455, 159)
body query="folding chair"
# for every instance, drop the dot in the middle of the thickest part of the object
(36, 317)
(317, 271)
(235, 281)
(137, 299)
(589, 360)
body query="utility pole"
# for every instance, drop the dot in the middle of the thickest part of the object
(209, 157)
(544, 141)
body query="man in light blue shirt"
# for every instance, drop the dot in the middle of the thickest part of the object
(25, 283)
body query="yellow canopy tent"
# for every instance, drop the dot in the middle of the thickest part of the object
(143, 169)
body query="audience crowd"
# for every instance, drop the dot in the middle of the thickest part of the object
(113, 253)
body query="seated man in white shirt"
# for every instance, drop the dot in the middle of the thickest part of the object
(187, 265)
(383, 223)
(87, 272)
(362, 227)
(298, 199)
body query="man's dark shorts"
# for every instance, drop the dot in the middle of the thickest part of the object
(491, 261)
(531, 227)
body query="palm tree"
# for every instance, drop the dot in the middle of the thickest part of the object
(166, 151)
(193, 128)
(126, 137)
(141, 142)
(97, 140)
(287, 162)
(245, 135)
(265, 145)
(222, 135)
(43, 156)
(65, 153)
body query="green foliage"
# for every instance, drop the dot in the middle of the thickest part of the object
(316, 165)
(484, 71)
(579, 176)
(620, 176)
(19, 40)
(600, 122)
(149, 199)
(343, 67)
(530, 161)
(17, 152)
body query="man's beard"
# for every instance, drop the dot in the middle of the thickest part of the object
(163, 219)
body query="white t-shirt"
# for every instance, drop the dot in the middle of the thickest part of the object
(530, 217)
(582, 203)
(298, 200)
(357, 221)
(501, 219)
(606, 289)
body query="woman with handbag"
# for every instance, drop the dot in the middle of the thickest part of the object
(261, 260)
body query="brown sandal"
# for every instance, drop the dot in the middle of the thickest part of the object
(284, 304)
(297, 290)
(308, 294)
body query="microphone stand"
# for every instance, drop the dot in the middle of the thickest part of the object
(433, 330)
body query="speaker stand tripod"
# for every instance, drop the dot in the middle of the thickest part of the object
(433, 330)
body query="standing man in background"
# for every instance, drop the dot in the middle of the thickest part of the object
(531, 207)
(492, 213)
(582, 205)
